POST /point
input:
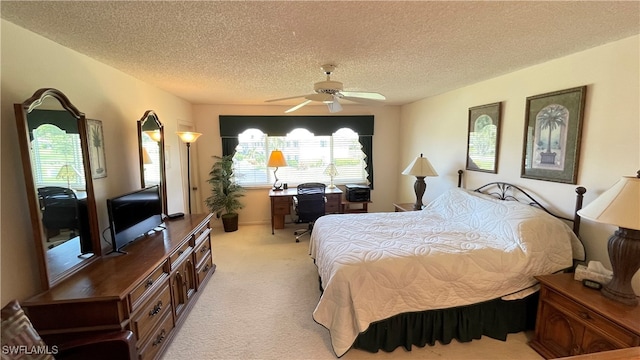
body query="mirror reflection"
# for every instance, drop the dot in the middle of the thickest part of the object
(56, 170)
(151, 153)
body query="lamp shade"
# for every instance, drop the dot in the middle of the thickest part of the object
(146, 158)
(68, 173)
(155, 135)
(620, 205)
(331, 170)
(276, 159)
(188, 136)
(420, 166)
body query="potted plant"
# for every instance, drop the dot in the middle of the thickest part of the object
(225, 193)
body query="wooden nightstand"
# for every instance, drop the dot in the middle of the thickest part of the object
(403, 207)
(574, 320)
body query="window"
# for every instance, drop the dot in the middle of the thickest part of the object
(307, 157)
(57, 158)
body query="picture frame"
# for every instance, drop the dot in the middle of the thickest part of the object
(95, 141)
(552, 135)
(483, 137)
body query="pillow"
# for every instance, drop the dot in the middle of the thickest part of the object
(19, 338)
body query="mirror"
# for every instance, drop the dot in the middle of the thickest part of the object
(53, 143)
(483, 138)
(151, 154)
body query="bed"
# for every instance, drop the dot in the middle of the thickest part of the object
(461, 268)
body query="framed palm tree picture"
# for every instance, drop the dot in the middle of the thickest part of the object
(552, 131)
(96, 149)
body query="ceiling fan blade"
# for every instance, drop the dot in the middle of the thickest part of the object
(363, 100)
(287, 98)
(298, 106)
(364, 95)
(334, 106)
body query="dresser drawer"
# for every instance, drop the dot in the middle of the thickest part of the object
(204, 269)
(151, 283)
(201, 231)
(202, 236)
(281, 205)
(202, 250)
(151, 312)
(591, 319)
(183, 251)
(333, 204)
(157, 340)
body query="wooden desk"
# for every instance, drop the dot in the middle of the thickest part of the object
(282, 201)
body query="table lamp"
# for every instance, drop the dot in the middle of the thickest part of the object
(276, 160)
(420, 167)
(620, 206)
(69, 173)
(332, 171)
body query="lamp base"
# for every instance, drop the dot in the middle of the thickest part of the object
(419, 187)
(624, 253)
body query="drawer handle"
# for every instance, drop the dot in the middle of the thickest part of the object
(584, 315)
(180, 252)
(148, 284)
(156, 309)
(204, 249)
(205, 269)
(160, 338)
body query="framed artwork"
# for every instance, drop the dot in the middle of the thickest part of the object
(96, 149)
(483, 138)
(553, 126)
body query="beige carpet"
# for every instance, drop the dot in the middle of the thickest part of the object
(259, 305)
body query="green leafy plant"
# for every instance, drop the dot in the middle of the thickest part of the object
(225, 191)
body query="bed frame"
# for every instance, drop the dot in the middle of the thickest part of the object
(495, 318)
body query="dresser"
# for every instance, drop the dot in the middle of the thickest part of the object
(149, 290)
(574, 320)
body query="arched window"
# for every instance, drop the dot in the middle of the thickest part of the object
(307, 156)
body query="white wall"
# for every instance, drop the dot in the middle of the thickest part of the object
(257, 205)
(610, 146)
(30, 62)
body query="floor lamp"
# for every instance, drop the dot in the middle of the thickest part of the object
(188, 137)
(420, 167)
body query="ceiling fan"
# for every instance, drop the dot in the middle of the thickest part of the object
(330, 91)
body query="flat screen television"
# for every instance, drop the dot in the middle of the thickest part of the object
(133, 215)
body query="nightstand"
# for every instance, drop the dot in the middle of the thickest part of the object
(402, 207)
(573, 319)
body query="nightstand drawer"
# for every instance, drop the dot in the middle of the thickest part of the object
(591, 319)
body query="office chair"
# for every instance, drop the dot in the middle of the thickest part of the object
(309, 205)
(59, 210)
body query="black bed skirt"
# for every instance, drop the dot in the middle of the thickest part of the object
(494, 319)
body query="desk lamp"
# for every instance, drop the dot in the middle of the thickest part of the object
(332, 172)
(420, 167)
(69, 173)
(276, 160)
(620, 206)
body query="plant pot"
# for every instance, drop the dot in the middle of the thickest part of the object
(230, 222)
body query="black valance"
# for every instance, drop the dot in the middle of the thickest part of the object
(278, 125)
(60, 118)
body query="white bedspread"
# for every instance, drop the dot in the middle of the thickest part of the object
(463, 248)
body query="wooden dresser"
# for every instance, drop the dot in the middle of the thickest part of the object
(575, 320)
(148, 290)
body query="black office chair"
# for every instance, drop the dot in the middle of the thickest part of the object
(309, 205)
(59, 210)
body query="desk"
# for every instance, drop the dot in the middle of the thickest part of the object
(281, 202)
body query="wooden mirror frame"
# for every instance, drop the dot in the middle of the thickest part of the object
(47, 280)
(152, 117)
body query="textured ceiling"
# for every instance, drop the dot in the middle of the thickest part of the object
(242, 52)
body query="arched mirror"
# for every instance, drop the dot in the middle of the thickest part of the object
(151, 154)
(53, 143)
